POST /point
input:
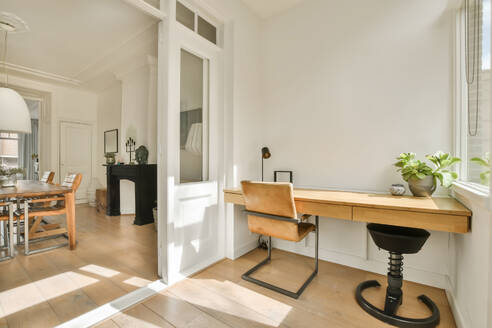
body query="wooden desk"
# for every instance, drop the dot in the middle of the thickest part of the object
(440, 214)
(33, 188)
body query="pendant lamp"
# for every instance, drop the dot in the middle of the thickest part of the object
(14, 113)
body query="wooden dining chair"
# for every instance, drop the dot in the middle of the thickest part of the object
(272, 212)
(48, 177)
(41, 231)
(7, 216)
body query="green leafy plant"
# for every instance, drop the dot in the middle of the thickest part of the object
(10, 171)
(485, 162)
(443, 162)
(410, 167)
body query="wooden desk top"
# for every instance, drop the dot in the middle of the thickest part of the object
(442, 214)
(408, 203)
(32, 188)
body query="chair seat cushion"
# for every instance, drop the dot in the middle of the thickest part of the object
(279, 229)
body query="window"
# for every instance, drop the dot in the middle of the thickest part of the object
(185, 16)
(9, 149)
(475, 110)
(195, 22)
(207, 30)
(193, 118)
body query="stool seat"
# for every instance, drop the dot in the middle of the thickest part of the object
(398, 239)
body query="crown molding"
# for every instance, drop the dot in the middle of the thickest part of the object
(31, 72)
(145, 61)
(147, 8)
(137, 44)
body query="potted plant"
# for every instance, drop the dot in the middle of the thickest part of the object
(485, 162)
(8, 176)
(421, 177)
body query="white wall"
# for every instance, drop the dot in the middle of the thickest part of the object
(138, 118)
(67, 104)
(342, 77)
(243, 111)
(345, 87)
(470, 266)
(108, 118)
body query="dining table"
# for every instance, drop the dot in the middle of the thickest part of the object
(27, 189)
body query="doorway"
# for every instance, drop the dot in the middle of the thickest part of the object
(76, 154)
(195, 221)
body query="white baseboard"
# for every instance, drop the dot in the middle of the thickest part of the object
(110, 309)
(459, 318)
(127, 211)
(245, 248)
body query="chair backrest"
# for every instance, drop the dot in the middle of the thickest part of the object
(72, 180)
(48, 177)
(270, 198)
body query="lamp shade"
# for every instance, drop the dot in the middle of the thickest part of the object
(14, 114)
(265, 152)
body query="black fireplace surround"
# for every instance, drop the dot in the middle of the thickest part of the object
(145, 178)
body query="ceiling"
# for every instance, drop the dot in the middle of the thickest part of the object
(268, 8)
(67, 38)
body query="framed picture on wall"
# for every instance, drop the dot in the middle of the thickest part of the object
(283, 176)
(111, 141)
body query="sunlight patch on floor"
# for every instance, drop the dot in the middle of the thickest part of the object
(259, 302)
(267, 311)
(99, 270)
(28, 295)
(137, 281)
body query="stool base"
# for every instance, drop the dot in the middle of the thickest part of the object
(391, 318)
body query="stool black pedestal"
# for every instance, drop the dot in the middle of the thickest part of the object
(397, 241)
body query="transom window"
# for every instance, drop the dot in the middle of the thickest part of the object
(196, 22)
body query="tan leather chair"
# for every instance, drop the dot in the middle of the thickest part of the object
(39, 230)
(272, 212)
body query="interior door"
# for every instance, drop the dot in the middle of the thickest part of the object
(76, 154)
(196, 238)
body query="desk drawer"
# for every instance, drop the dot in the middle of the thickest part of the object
(326, 210)
(440, 222)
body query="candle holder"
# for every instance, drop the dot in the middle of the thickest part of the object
(130, 148)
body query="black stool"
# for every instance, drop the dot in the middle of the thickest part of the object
(397, 241)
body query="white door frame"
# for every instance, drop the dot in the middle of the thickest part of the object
(172, 38)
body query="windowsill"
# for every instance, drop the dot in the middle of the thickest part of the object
(473, 192)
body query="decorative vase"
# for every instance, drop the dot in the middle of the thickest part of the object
(422, 187)
(397, 189)
(8, 180)
(110, 158)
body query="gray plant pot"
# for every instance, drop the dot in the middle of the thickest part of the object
(422, 187)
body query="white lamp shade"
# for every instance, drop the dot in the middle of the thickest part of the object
(14, 114)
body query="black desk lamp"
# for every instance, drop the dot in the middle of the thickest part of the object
(265, 154)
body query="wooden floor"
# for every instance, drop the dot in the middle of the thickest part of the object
(218, 297)
(113, 257)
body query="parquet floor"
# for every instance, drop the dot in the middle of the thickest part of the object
(218, 297)
(112, 258)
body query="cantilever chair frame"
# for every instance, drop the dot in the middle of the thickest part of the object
(247, 276)
(10, 246)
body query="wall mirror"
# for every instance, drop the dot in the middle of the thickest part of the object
(111, 141)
